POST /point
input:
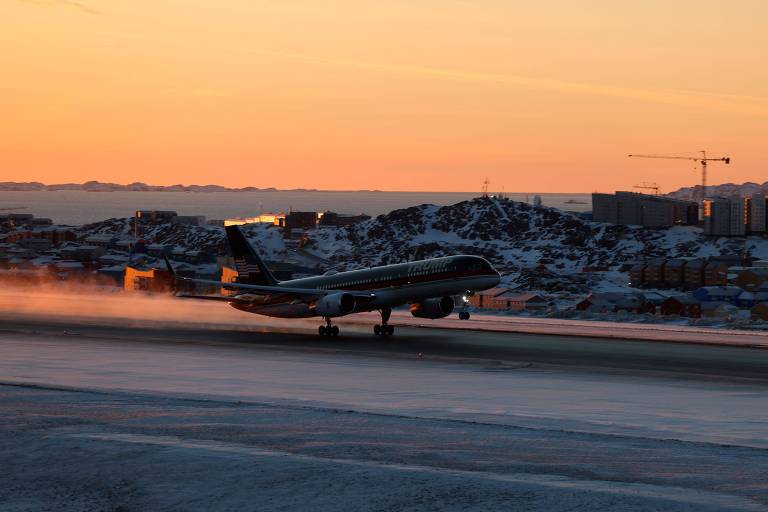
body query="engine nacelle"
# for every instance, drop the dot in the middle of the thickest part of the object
(335, 304)
(433, 308)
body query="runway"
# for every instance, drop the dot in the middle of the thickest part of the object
(140, 417)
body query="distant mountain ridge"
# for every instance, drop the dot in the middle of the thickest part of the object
(725, 189)
(98, 186)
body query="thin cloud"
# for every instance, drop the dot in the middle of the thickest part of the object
(747, 105)
(71, 3)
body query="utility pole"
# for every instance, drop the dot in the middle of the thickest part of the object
(485, 187)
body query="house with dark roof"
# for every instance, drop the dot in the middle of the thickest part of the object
(515, 301)
(718, 294)
(612, 302)
(681, 305)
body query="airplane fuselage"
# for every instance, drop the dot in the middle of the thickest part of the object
(390, 285)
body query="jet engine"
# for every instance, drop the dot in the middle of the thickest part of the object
(335, 304)
(433, 308)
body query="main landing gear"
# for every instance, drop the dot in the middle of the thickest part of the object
(384, 329)
(463, 315)
(328, 329)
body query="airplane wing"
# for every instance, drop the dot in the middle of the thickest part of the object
(216, 298)
(303, 294)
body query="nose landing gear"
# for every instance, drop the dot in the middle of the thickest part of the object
(464, 314)
(384, 329)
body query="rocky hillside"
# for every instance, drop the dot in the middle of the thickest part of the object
(514, 236)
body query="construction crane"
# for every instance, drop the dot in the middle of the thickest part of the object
(650, 186)
(703, 160)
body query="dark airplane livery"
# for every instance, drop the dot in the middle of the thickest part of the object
(428, 286)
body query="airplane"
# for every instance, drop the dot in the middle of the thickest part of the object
(427, 285)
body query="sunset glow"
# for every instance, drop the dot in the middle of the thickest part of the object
(397, 95)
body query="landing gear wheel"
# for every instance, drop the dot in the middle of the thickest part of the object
(328, 329)
(464, 315)
(384, 329)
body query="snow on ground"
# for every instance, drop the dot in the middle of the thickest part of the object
(116, 452)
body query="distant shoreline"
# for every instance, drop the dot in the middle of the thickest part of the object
(96, 186)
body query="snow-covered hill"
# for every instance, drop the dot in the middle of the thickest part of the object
(515, 236)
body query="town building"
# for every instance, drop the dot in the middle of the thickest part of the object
(301, 220)
(653, 276)
(105, 241)
(159, 250)
(674, 272)
(760, 311)
(485, 298)
(681, 305)
(756, 205)
(723, 216)
(693, 273)
(716, 214)
(155, 216)
(631, 208)
(716, 273)
(112, 275)
(81, 252)
(514, 301)
(612, 302)
(188, 220)
(751, 278)
(36, 244)
(340, 219)
(275, 219)
(718, 309)
(738, 217)
(717, 294)
(148, 280)
(637, 275)
(746, 300)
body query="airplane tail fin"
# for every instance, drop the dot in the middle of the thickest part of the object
(250, 267)
(172, 284)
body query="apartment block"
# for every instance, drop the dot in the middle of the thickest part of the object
(756, 206)
(643, 210)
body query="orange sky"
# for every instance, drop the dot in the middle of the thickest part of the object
(396, 95)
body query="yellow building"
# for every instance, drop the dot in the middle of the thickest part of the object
(275, 219)
(149, 280)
